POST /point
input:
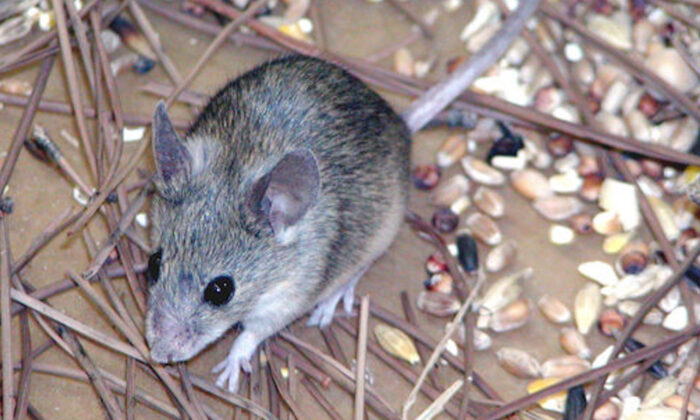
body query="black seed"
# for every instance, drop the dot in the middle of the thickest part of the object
(657, 370)
(153, 270)
(509, 144)
(575, 403)
(467, 252)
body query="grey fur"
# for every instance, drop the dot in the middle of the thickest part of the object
(206, 221)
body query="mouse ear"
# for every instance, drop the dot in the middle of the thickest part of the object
(170, 153)
(287, 192)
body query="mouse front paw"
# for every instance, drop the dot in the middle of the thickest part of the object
(230, 369)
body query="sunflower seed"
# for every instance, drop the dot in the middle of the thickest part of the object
(481, 172)
(587, 306)
(564, 366)
(531, 183)
(513, 316)
(659, 391)
(396, 343)
(600, 272)
(490, 202)
(436, 303)
(450, 191)
(505, 290)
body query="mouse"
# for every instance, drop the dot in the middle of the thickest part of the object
(285, 189)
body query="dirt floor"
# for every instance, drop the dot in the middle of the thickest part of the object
(355, 28)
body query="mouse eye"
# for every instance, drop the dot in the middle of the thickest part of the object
(153, 270)
(219, 291)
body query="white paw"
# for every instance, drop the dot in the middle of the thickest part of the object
(230, 369)
(323, 314)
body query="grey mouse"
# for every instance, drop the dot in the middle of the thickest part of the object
(288, 186)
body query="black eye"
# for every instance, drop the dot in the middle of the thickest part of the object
(219, 291)
(153, 270)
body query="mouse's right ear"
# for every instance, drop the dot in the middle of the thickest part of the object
(170, 153)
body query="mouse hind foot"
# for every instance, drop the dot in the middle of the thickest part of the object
(322, 315)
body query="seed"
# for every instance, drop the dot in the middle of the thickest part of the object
(460, 205)
(587, 306)
(450, 191)
(565, 183)
(396, 343)
(676, 401)
(513, 316)
(501, 256)
(653, 317)
(590, 189)
(437, 304)
(518, 362)
(403, 62)
(561, 235)
(657, 370)
(611, 322)
(484, 229)
(504, 290)
(606, 223)
(453, 149)
(567, 163)
(435, 263)
(490, 202)
(444, 220)
(677, 319)
(652, 168)
(560, 145)
(575, 403)
(672, 299)
(600, 272)
(481, 172)
(615, 243)
(553, 309)
(581, 223)
(564, 366)
(588, 166)
(648, 105)
(607, 411)
(467, 252)
(425, 177)
(574, 343)
(558, 208)
(659, 391)
(665, 214)
(440, 282)
(620, 198)
(554, 402)
(531, 183)
(482, 341)
(15, 87)
(632, 262)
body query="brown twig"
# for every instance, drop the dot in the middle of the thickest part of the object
(361, 359)
(80, 32)
(188, 389)
(275, 373)
(25, 378)
(333, 345)
(22, 130)
(292, 381)
(108, 401)
(130, 389)
(322, 401)
(64, 108)
(73, 85)
(8, 391)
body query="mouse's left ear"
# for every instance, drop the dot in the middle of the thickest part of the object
(286, 193)
(170, 153)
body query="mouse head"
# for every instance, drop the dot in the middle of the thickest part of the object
(223, 233)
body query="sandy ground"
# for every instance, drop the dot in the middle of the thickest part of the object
(352, 27)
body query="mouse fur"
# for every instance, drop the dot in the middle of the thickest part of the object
(291, 182)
